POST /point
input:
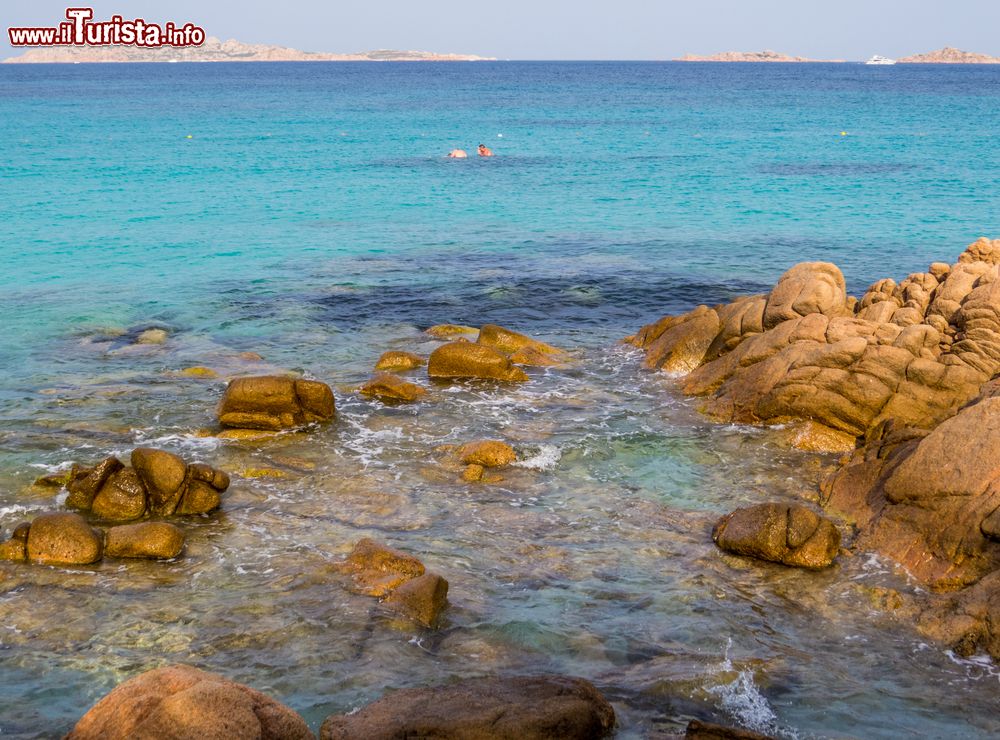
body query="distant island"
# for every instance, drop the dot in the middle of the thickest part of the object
(947, 55)
(744, 56)
(215, 50)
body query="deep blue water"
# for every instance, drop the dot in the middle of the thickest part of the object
(307, 212)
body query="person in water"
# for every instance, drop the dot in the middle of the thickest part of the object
(485, 151)
(458, 154)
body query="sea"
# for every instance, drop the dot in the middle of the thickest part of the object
(304, 217)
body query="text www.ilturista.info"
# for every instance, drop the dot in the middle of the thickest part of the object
(80, 30)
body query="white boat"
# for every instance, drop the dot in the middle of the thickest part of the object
(880, 60)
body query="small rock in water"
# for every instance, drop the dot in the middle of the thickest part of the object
(396, 362)
(521, 348)
(152, 336)
(400, 579)
(155, 540)
(63, 538)
(275, 402)
(782, 533)
(525, 708)
(474, 361)
(449, 331)
(198, 372)
(392, 389)
(377, 569)
(490, 453)
(183, 702)
(422, 598)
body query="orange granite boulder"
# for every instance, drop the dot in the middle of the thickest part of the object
(397, 362)
(63, 538)
(183, 702)
(458, 360)
(158, 483)
(275, 402)
(392, 389)
(788, 534)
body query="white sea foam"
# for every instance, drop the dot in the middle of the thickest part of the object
(547, 458)
(742, 700)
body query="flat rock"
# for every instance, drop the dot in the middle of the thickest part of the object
(154, 540)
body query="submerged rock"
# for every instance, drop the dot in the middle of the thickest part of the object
(155, 540)
(397, 362)
(450, 331)
(275, 402)
(392, 389)
(158, 483)
(489, 453)
(698, 730)
(377, 569)
(16, 548)
(519, 347)
(476, 361)
(519, 708)
(63, 538)
(422, 598)
(152, 336)
(782, 533)
(400, 579)
(183, 702)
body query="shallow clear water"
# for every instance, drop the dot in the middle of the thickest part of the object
(311, 218)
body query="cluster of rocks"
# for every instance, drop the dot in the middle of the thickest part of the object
(157, 483)
(182, 701)
(65, 538)
(901, 380)
(272, 403)
(399, 580)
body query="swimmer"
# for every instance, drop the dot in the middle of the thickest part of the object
(458, 154)
(484, 151)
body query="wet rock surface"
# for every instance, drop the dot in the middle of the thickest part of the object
(906, 373)
(457, 360)
(183, 702)
(782, 533)
(275, 402)
(158, 483)
(522, 708)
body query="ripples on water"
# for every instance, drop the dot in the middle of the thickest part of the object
(290, 226)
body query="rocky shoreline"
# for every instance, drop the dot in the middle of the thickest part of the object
(901, 381)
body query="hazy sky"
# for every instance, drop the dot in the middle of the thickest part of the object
(568, 29)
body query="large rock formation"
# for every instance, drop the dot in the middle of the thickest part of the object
(183, 702)
(536, 708)
(275, 402)
(905, 372)
(158, 483)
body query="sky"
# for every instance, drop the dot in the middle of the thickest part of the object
(567, 29)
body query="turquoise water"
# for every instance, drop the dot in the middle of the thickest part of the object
(312, 218)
